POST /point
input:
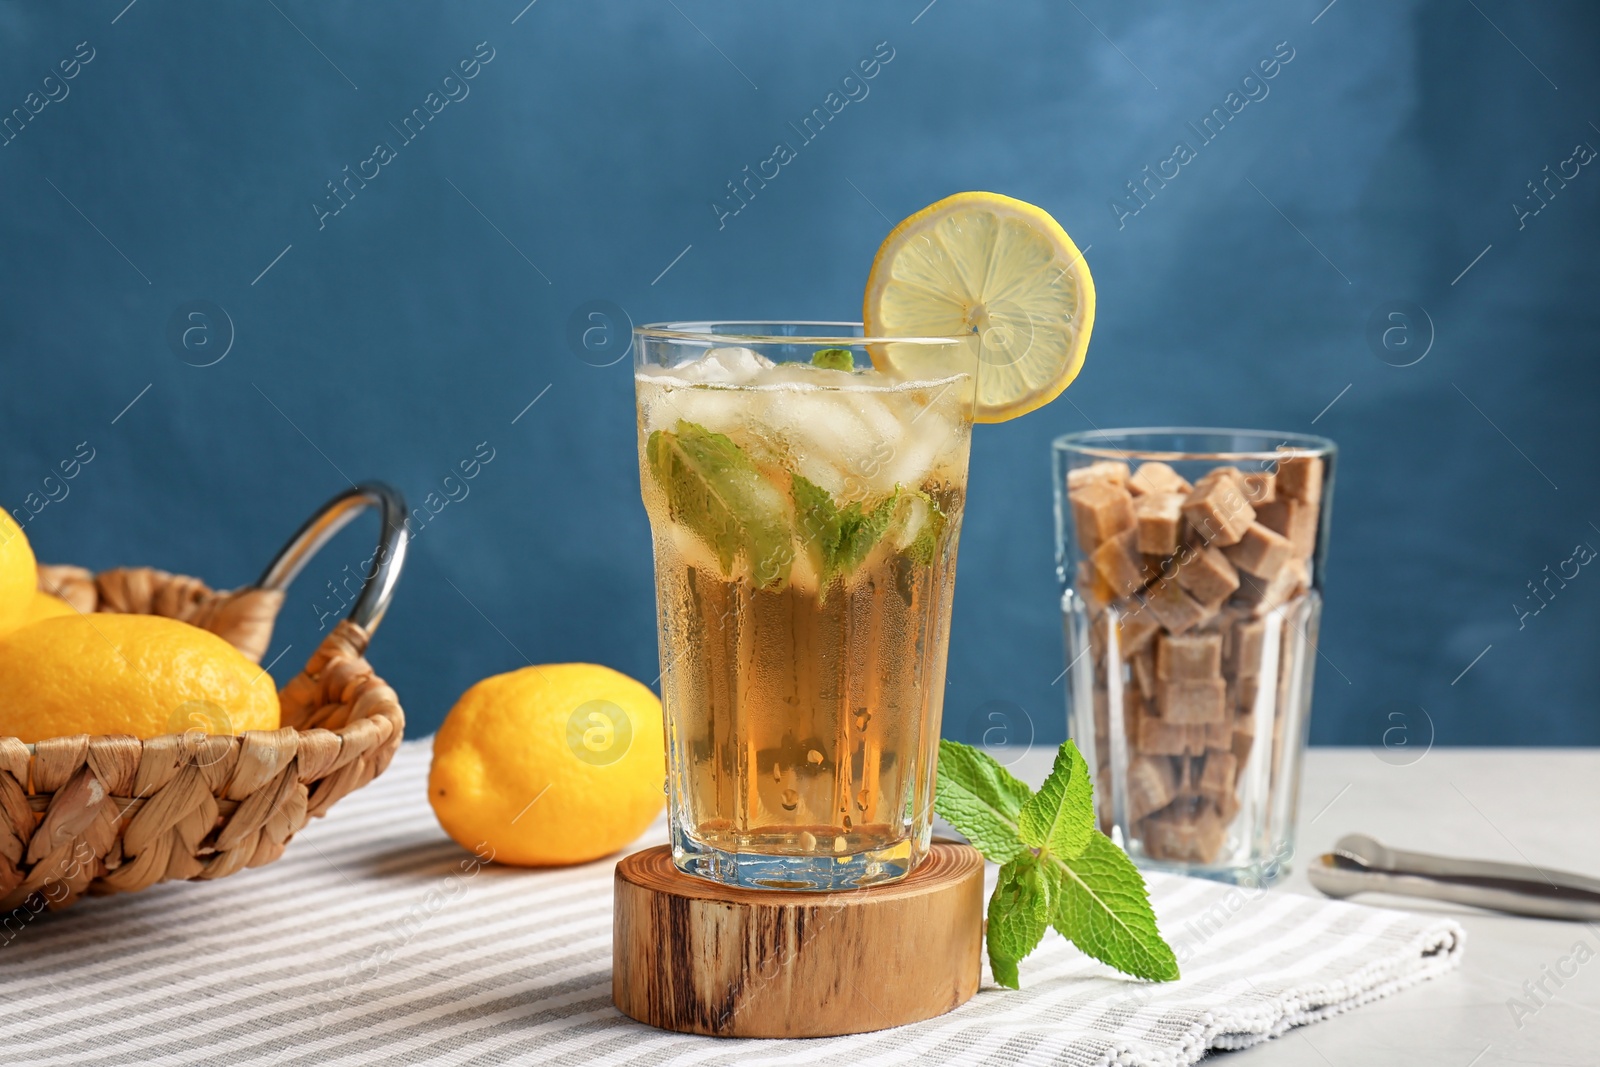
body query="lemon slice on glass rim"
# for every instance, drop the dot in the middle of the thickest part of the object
(999, 270)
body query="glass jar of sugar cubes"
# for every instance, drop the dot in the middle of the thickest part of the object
(1191, 569)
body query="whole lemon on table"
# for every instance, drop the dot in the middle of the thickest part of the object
(19, 575)
(550, 765)
(128, 674)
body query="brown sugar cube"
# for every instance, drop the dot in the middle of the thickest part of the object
(1228, 476)
(1245, 691)
(1216, 734)
(1135, 631)
(1120, 564)
(1227, 807)
(1241, 656)
(1133, 719)
(1217, 778)
(1232, 473)
(1295, 520)
(1296, 579)
(1242, 740)
(1189, 657)
(1093, 588)
(1134, 708)
(1144, 674)
(1261, 551)
(1184, 832)
(1158, 516)
(1112, 472)
(1194, 702)
(1165, 568)
(1300, 478)
(1100, 511)
(1097, 647)
(1217, 510)
(1157, 477)
(1176, 610)
(1157, 737)
(1208, 576)
(1102, 713)
(1263, 597)
(1260, 487)
(1244, 722)
(1150, 785)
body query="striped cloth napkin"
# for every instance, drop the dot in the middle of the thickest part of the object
(376, 939)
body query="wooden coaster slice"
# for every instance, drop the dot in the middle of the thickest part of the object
(702, 958)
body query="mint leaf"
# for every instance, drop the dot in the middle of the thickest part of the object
(715, 491)
(838, 539)
(1078, 880)
(1005, 971)
(818, 520)
(1101, 905)
(833, 359)
(860, 529)
(981, 799)
(1060, 816)
(1019, 913)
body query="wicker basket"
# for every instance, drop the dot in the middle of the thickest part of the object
(114, 814)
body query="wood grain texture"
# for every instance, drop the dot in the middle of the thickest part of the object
(697, 957)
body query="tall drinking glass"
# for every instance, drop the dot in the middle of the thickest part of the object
(805, 509)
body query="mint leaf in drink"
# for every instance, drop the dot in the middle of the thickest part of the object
(818, 520)
(1101, 905)
(1091, 892)
(833, 359)
(1019, 913)
(981, 799)
(860, 528)
(715, 491)
(1060, 816)
(838, 539)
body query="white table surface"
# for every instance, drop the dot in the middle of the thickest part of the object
(1538, 806)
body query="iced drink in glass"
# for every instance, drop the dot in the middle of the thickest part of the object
(805, 510)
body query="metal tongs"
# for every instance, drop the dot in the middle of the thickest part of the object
(1361, 864)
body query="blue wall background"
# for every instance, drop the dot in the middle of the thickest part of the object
(1384, 164)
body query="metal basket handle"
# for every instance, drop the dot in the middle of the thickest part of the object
(377, 587)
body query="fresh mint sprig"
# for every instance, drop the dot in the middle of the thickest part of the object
(1056, 868)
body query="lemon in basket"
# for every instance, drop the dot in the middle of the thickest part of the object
(143, 675)
(550, 765)
(19, 575)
